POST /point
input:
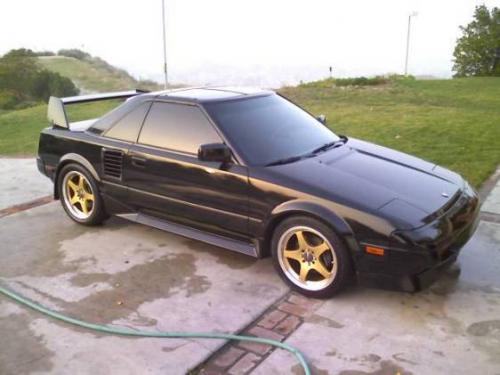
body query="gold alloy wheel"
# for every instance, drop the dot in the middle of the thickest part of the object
(307, 258)
(78, 195)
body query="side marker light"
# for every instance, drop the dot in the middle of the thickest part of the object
(375, 250)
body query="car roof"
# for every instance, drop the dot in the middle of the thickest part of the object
(209, 94)
(190, 95)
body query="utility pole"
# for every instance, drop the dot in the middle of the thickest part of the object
(408, 41)
(164, 43)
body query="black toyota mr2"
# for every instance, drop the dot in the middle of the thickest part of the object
(250, 171)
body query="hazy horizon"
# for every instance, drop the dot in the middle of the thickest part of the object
(246, 42)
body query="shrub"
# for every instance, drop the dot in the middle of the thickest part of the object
(361, 81)
(401, 78)
(75, 53)
(353, 81)
(147, 84)
(45, 53)
(8, 100)
(20, 52)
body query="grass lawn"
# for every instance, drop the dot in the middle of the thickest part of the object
(455, 123)
(19, 129)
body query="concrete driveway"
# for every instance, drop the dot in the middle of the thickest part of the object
(123, 274)
(130, 275)
(20, 182)
(451, 328)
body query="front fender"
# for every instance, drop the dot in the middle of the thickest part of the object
(313, 209)
(323, 213)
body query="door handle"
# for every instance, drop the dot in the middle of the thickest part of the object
(138, 162)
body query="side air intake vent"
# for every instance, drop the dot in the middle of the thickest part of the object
(112, 161)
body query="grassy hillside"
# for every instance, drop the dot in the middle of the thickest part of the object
(455, 123)
(91, 76)
(19, 129)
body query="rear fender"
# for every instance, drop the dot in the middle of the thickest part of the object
(73, 158)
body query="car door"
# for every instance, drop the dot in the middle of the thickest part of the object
(167, 180)
(114, 145)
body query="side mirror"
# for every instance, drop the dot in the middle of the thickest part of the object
(322, 119)
(218, 152)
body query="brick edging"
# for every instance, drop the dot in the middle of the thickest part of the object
(278, 322)
(25, 206)
(489, 217)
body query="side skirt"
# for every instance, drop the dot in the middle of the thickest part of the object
(196, 234)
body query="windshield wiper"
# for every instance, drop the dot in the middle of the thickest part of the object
(285, 161)
(324, 147)
(328, 145)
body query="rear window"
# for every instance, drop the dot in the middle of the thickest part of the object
(113, 114)
(127, 129)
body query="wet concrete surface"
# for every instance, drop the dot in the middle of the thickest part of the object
(120, 274)
(451, 328)
(20, 182)
(133, 276)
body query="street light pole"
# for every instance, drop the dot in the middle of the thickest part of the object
(164, 43)
(408, 41)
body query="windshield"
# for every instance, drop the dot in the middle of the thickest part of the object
(269, 128)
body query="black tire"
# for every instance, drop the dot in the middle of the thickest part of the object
(97, 214)
(340, 275)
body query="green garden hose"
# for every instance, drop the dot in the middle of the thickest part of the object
(130, 332)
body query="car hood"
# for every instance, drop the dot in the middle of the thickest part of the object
(373, 178)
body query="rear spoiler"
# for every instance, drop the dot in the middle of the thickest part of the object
(56, 112)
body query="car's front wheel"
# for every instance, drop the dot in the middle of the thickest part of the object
(310, 257)
(80, 196)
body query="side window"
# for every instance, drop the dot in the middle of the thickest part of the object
(177, 127)
(128, 127)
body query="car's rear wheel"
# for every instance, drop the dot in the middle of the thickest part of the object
(80, 196)
(310, 257)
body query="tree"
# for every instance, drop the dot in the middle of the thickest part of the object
(47, 83)
(17, 71)
(22, 80)
(477, 52)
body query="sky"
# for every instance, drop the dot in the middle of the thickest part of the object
(259, 42)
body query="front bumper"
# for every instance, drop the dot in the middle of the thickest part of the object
(406, 283)
(433, 248)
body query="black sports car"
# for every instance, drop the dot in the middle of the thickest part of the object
(252, 172)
